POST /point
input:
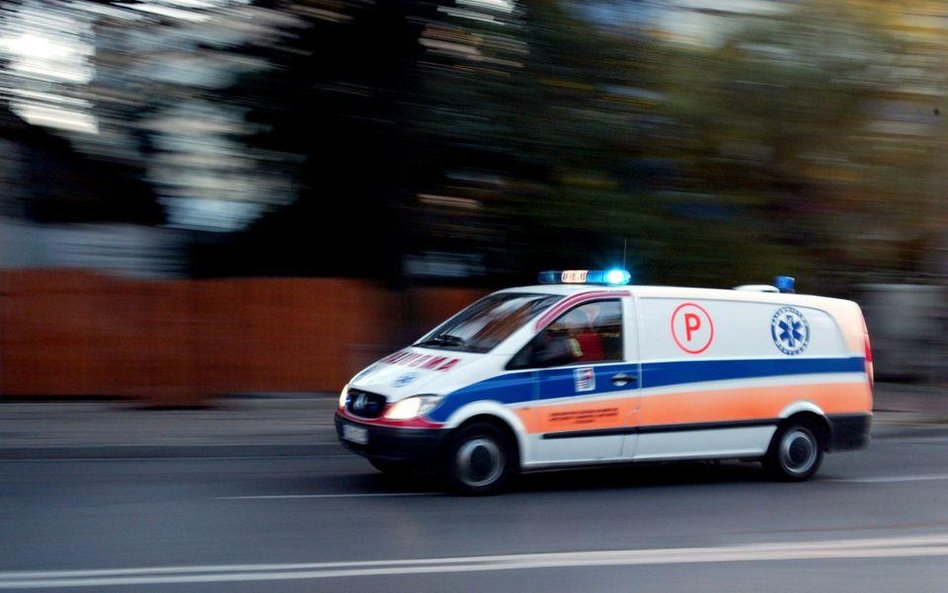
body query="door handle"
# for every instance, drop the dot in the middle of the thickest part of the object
(621, 379)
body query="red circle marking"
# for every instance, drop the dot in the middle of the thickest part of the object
(707, 318)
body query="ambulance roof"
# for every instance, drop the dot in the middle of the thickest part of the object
(571, 282)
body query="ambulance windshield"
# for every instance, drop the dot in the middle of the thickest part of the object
(487, 322)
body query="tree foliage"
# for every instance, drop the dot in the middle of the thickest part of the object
(396, 138)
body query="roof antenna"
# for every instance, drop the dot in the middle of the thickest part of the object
(625, 250)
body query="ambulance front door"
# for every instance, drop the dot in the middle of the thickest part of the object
(585, 405)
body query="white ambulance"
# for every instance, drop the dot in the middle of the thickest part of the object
(584, 368)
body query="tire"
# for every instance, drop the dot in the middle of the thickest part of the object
(796, 452)
(479, 461)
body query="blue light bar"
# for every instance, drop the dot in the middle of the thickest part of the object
(614, 277)
(785, 283)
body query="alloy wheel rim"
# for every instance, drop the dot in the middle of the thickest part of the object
(798, 451)
(480, 462)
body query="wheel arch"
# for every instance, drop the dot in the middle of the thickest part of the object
(811, 414)
(502, 419)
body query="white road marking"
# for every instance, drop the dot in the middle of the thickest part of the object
(361, 495)
(891, 479)
(893, 547)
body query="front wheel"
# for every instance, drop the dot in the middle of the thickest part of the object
(795, 452)
(479, 460)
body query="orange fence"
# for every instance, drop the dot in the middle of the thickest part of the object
(72, 333)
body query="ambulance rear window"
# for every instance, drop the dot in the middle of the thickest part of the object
(487, 322)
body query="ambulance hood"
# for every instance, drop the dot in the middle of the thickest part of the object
(416, 371)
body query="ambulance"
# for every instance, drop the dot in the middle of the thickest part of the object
(585, 368)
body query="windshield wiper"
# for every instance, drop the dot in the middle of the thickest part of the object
(443, 340)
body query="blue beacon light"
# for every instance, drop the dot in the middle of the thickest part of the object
(549, 277)
(618, 277)
(785, 283)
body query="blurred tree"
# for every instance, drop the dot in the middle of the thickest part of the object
(778, 138)
(48, 177)
(895, 224)
(542, 137)
(572, 116)
(764, 127)
(163, 95)
(340, 97)
(484, 139)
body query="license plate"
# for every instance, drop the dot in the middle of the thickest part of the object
(356, 434)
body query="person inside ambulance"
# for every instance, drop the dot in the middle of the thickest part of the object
(586, 342)
(551, 347)
(571, 338)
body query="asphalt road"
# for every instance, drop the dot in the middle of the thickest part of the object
(873, 520)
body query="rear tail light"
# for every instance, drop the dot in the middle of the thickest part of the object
(869, 369)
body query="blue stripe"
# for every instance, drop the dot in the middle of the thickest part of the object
(561, 382)
(522, 386)
(506, 389)
(662, 374)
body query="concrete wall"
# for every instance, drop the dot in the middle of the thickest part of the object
(72, 333)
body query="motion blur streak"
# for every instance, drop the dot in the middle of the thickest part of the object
(467, 144)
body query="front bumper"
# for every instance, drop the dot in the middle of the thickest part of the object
(411, 446)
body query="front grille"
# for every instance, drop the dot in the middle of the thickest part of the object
(364, 404)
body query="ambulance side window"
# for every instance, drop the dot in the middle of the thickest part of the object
(591, 332)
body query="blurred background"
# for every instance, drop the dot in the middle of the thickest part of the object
(201, 197)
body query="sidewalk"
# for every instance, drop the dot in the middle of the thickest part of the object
(288, 424)
(263, 424)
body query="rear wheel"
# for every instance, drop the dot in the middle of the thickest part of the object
(796, 451)
(479, 460)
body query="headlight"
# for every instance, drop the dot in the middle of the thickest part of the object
(411, 407)
(344, 396)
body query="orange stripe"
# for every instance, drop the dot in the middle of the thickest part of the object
(752, 403)
(723, 405)
(585, 415)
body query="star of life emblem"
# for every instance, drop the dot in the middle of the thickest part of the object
(790, 331)
(405, 379)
